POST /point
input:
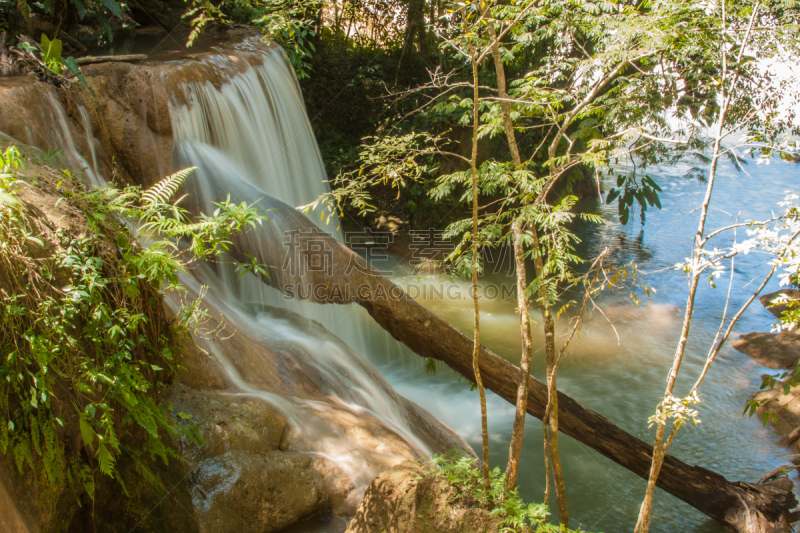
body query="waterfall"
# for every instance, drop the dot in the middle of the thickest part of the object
(239, 117)
(250, 138)
(256, 119)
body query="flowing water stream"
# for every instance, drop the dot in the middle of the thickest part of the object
(620, 372)
(248, 133)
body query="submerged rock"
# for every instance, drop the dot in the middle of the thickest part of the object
(773, 350)
(416, 498)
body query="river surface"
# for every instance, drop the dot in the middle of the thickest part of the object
(623, 379)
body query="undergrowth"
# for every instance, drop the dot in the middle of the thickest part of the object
(515, 515)
(86, 343)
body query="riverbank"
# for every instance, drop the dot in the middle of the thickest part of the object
(778, 401)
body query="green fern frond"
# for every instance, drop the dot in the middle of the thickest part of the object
(164, 190)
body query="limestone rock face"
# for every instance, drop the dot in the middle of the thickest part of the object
(413, 498)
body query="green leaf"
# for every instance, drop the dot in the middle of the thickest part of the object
(113, 6)
(623, 217)
(51, 50)
(87, 433)
(101, 19)
(73, 67)
(106, 460)
(25, 9)
(612, 195)
(80, 8)
(8, 200)
(45, 44)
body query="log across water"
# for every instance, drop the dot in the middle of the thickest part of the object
(740, 506)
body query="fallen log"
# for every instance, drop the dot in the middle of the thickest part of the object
(128, 58)
(344, 277)
(742, 507)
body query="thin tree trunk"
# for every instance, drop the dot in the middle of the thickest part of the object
(476, 353)
(551, 417)
(551, 422)
(515, 448)
(660, 447)
(337, 21)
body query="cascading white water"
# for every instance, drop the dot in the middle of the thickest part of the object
(251, 139)
(257, 120)
(246, 130)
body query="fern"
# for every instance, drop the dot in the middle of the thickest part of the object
(99, 328)
(163, 191)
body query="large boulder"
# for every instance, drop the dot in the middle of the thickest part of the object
(268, 411)
(255, 493)
(414, 497)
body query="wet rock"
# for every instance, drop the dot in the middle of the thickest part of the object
(241, 478)
(415, 498)
(784, 412)
(255, 493)
(227, 422)
(773, 350)
(357, 445)
(778, 310)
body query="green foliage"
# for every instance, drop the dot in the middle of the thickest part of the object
(392, 162)
(51, 54)
(786, 380)
(515, 515)
(644, 193)
(85, 340)
(97, 12)
(290, 23)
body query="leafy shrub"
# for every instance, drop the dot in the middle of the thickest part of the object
(86, 344)
(515, 515)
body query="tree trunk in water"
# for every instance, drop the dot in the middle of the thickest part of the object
(742, 507)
